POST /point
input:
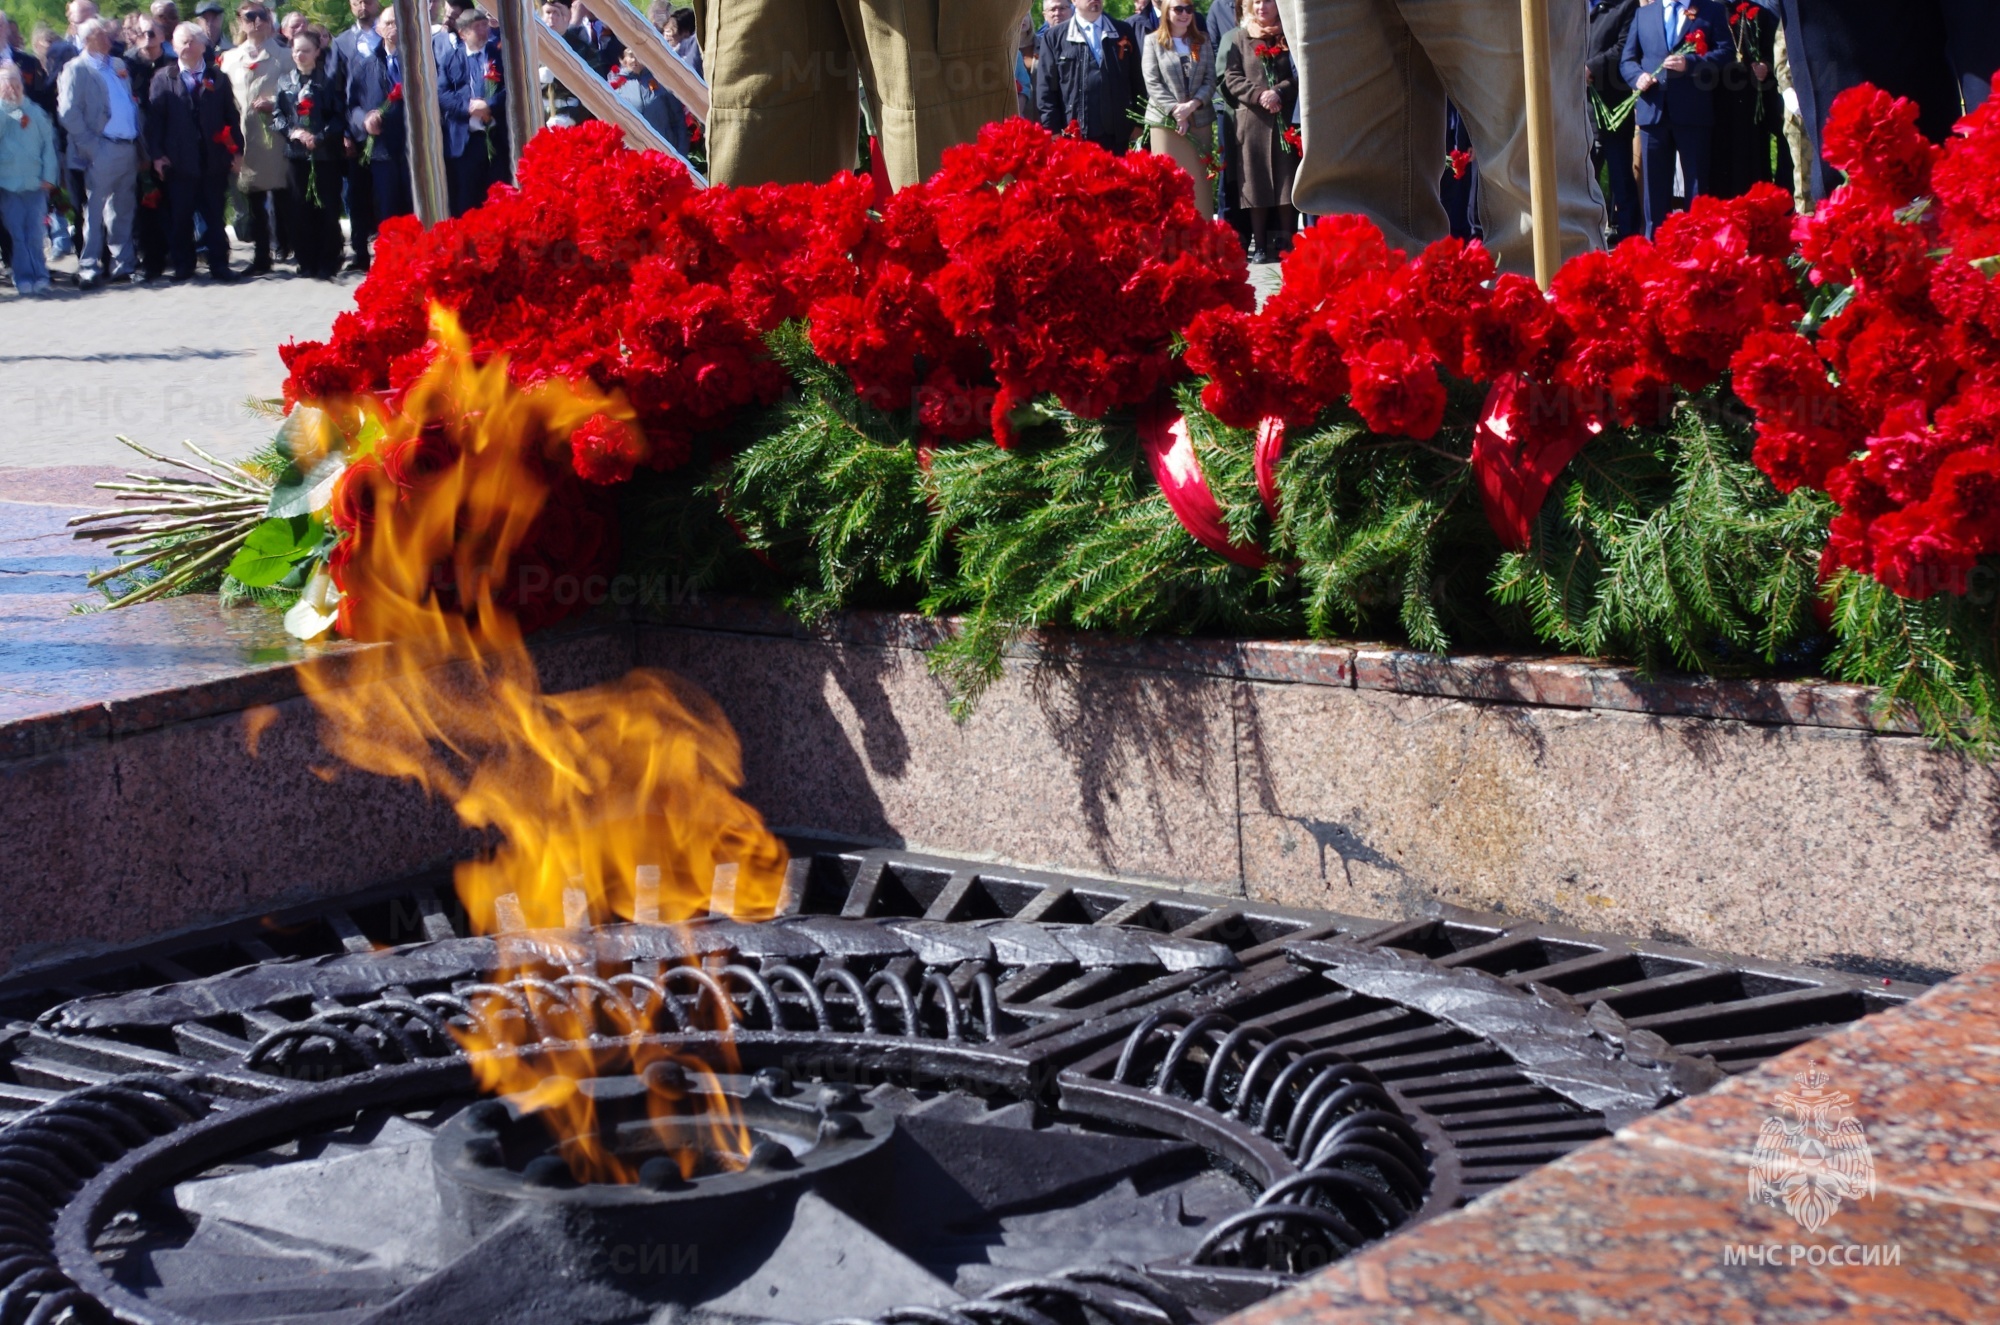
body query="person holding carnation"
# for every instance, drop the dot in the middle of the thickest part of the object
(1748, 110)
(375, 118)
(1261, 80)
(193, 135)
(1674, 58)
(633, 83)
(254, 68)
(1180, 97)
(28, 174)
(314, 121)
(1088, 74)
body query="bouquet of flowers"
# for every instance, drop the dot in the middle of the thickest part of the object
(1610, 118)
(1034, 389)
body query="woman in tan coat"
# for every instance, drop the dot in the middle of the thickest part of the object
(255, 66)
(1265, 90)
(1180, 91)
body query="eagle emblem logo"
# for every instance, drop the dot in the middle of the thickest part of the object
(1814, 1158)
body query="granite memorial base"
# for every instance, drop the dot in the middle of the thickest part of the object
(159, 768)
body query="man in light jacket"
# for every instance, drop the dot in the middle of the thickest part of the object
(100, 113)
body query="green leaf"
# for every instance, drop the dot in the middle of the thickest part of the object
(298, 494)
(272, 549)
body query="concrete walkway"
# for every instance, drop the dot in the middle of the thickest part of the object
(157, 363)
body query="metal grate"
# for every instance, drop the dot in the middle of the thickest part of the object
(1296, 1084)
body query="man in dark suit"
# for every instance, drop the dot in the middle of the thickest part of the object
(595, 36)
(1676, 88)
(1942, 54)
(194, 137)
(349, 49)
(1087, 73)
(1610, 25)
(375, 119)
(469, 118)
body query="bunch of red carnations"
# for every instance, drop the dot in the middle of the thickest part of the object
(1618, 334)
(1891, 402)
(1029, 265)
(603, 267)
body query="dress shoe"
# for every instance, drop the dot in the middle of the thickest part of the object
(224, 277)
(181, 277)
(359, 262)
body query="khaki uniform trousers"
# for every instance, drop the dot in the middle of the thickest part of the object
(784, 79)
(1374, 76)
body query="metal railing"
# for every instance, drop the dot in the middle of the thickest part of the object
(526, 46)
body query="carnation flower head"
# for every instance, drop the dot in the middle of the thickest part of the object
(1873, 138)
(605, 450)
(1967, 182)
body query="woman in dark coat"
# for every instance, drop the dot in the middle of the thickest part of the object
(312, 117)
(1748, 112)
(1265, 89)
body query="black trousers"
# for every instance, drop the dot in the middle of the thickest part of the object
(468, 175)
(150, 227)
(1659, 145)
(1612, 148)
(392, 187)
(188, 195)
(360, 206)
(261, 222)
(1939, 53)
(314, 207)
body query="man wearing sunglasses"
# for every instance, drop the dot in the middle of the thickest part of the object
(1374, 76)
(255, 67)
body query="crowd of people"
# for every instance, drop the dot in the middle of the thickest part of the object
(1218, 91)
(142, 146)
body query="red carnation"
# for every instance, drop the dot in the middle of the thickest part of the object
(1699, 40)
(396, 94)
(226, 136)
(605, 450)
(1460, 162)
(305, 105)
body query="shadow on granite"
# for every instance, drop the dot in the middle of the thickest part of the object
(1656, 1223)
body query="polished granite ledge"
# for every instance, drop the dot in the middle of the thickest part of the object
(1650, 1225)
(1532, 680)
(102, 675)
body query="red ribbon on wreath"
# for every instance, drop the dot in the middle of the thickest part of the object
(1527, 433)
(1270, 449)
(878, 173)
(1169, 448)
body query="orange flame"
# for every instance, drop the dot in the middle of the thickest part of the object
(613, 802)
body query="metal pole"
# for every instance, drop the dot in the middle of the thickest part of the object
(522, 72)
(1541, 139)
(424, 135)
(580, 78)
(634, 30)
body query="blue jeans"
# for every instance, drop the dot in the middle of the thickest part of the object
(25, 215)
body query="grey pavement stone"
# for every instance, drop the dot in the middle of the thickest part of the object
(159, 363)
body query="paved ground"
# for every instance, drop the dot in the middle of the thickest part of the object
(158, 363)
